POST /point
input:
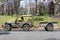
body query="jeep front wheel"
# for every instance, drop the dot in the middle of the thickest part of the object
(26, 27)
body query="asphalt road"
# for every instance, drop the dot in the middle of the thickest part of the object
(30, 35)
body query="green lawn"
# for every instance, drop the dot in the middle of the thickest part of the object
(4, 19)
(38, 19)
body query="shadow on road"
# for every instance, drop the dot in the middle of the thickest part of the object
(52, 39)
(4, 33)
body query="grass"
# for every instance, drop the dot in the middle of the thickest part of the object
(41, 18)
(5, 18)
(58, 22)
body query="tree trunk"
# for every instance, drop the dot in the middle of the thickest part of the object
(35, 9)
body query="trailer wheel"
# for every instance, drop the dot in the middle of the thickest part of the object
(49, 27)
(26, 27)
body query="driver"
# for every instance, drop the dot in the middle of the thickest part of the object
(22, 19)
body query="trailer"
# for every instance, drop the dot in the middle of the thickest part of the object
(49, 26)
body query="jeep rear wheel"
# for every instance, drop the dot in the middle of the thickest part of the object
(49, 27)
(7, 28)
(26, 27)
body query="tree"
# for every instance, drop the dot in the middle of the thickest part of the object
(2, 8)
(35, 11)
(16, 5)
(51, 8)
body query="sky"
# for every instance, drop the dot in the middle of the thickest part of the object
(23, 2)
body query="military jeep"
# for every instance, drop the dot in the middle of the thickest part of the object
(23, 22)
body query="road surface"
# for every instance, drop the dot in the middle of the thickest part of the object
(30, 35)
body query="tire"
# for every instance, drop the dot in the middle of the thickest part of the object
(7, 28)
(49, 27)
(26, 27)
